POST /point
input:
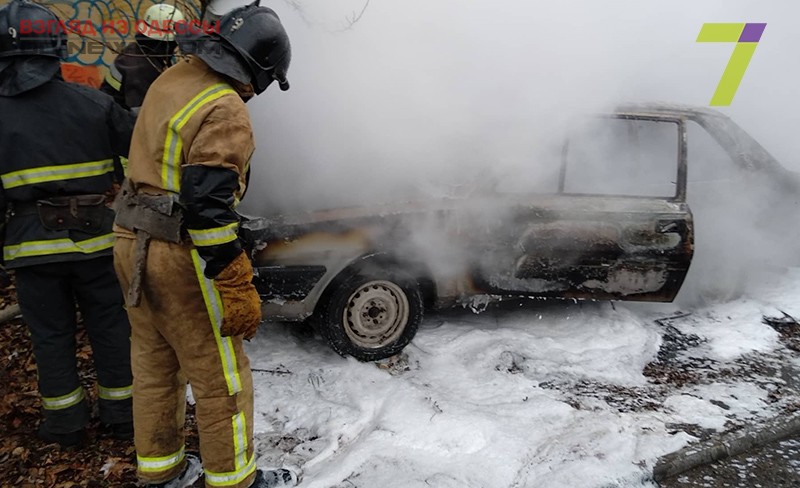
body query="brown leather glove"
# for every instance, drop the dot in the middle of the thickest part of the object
(241, 304)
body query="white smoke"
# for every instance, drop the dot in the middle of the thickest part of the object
(424, 97)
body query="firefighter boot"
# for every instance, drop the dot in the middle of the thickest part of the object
(191, 473)
(69, 439)
(278, 478)
(122, 431)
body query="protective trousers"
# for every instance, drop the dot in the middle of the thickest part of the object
(175, 336)
(47, 294)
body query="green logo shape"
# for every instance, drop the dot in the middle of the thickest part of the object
(746, 36)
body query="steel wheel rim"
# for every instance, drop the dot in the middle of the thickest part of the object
(376, 314)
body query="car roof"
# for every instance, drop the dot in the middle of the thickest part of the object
(668, 109)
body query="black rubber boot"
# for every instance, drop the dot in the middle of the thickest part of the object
(70, 439)
(122, 431)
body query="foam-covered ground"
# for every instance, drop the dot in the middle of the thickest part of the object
(542, 395)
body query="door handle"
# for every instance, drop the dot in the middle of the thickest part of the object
(669, 226)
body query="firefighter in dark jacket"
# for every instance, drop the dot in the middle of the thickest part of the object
(140, 63)
(187, 281)
(58, 143)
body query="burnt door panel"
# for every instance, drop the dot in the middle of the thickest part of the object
(613, 254)
(619, 229)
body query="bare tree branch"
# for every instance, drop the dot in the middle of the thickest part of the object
(354, 18)
(297, 6)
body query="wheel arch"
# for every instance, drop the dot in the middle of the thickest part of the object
(386, 260)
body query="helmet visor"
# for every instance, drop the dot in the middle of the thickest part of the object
(273, 73)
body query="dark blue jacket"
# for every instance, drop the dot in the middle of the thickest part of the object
(59, 140)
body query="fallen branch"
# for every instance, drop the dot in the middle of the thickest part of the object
(663, 322)
(728, 445)
(272, 371)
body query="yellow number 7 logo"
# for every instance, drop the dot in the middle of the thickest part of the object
(746, 37)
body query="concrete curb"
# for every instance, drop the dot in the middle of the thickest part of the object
(727, 445)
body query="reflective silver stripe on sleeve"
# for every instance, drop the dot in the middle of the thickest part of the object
(215, 236)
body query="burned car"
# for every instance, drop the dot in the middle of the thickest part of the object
(609, 219)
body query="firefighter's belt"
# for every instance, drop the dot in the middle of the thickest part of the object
(86, 213)
(149, 217)
(158, 215)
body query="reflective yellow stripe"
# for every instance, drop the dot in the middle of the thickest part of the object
(215, 236)
(57, 246)
(240, 440)
(233, 477)
(213, 301)
(122, 393)
(45, 174)
(123, 161)
(224, 344)
(64, 401)
(173, 146)
(114, 82)
(158, 464)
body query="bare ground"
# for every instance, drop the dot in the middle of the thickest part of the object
(26, 461)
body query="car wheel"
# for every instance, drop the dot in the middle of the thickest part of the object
(371, 316)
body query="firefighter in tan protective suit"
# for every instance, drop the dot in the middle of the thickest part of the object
(187, 281)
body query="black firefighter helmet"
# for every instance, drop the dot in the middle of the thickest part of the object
(250, 45)
(32, 43)
(28, 29)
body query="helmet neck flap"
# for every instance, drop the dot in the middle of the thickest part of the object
(24, 73)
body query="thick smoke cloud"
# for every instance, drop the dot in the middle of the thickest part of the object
(422, 89)
(427, 97)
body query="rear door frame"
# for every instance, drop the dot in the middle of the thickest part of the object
(681, 181)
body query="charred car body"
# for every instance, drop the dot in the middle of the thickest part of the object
(364, 276)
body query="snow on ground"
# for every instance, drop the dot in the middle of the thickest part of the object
(545, 395)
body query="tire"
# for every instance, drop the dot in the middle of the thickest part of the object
(370, 315)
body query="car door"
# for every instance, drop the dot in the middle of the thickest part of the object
(618, 226)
